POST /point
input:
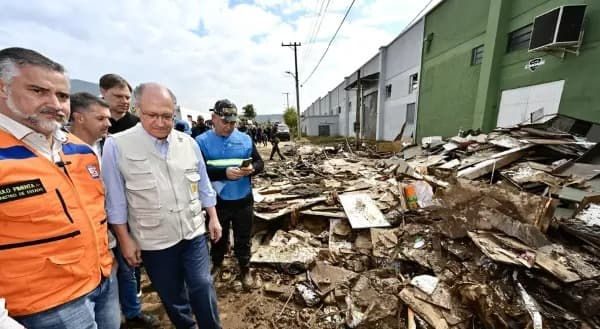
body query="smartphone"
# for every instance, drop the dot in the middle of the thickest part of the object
(246, 163)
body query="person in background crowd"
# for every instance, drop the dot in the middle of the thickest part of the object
(156, 182)
(200, 127)
(242, 126)
(267, 134)
(275, 143)
(116, 91)
(55, 265)
(225, 148)
(179, 126)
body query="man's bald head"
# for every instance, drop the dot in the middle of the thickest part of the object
(156, 105)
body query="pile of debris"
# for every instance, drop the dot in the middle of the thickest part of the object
(479, 231)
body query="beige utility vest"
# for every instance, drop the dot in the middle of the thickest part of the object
(162, 193)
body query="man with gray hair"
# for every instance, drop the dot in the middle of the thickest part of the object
(157, 185)
(55, 267)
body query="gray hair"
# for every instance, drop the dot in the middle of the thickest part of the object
(13, 58)
(139, 90)
(81, 102)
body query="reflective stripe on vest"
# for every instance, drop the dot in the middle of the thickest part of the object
(53, 231)
(227, 152)
(224, 163)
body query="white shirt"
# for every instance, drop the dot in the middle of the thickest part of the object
(33, 139)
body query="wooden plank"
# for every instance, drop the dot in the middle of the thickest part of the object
(430, 313)
(497, 161)
(293, 206)
(328, 214)
(388, 147)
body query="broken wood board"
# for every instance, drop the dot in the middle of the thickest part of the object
(487, 219)
(339, 228)
(292, 206)
(572, 194)
(362, 211)
(430, 313)
(288, 254)
(529, 207)
(384, 241)
(388, 147)
(492, 247)
(328, 214)
(565, 264)
(496, 162)
(454, 313)
(327, 277)
(586, 170)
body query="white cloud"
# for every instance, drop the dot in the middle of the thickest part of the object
(207, 50)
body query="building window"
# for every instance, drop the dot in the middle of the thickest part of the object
(410, 113)
(519, 39)
(388, 91)
(413, 83)
(477, 55)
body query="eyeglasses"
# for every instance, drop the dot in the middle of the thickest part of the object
(155, 116)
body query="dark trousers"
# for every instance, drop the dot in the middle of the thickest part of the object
(181, 276)
(128, 279)
(240, 219)
(275, 149)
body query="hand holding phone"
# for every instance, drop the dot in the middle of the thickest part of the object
(246, 163)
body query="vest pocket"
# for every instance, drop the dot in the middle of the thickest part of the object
(148, 223)
(196, 214)
(193, 179)
(138, 164)
(34, 209)
(142, 193)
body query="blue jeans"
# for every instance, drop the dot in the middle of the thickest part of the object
(181, 276)
(126, 275)
(97, 310)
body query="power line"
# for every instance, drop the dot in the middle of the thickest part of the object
(330, 42)
(317, 29)
(417, 16)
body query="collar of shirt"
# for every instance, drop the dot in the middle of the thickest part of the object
(20, 131)
(161, 145)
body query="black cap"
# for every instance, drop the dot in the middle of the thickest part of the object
(225, 109)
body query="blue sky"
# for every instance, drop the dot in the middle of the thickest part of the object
(210, 49)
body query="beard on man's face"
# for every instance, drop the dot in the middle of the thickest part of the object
(35, 121)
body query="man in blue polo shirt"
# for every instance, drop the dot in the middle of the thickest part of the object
(224, 149)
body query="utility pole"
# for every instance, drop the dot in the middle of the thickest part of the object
(358, 106)
(295, 45)
(287, 100)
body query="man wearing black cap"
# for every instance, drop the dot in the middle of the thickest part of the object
(224, 149)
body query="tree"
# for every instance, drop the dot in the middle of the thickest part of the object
(291, 119)
(249, 112)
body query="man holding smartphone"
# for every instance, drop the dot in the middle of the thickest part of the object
(231, 159)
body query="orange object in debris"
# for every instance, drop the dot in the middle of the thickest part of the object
(410, 194)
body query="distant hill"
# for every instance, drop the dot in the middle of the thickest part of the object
(264, 118)
(81, 85)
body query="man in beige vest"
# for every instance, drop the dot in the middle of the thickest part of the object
(157, 184)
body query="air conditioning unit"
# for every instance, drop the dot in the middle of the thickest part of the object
(558, 28)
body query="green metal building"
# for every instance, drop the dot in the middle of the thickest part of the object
(477, 71)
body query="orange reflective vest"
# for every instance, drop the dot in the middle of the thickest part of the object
(53, 230)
